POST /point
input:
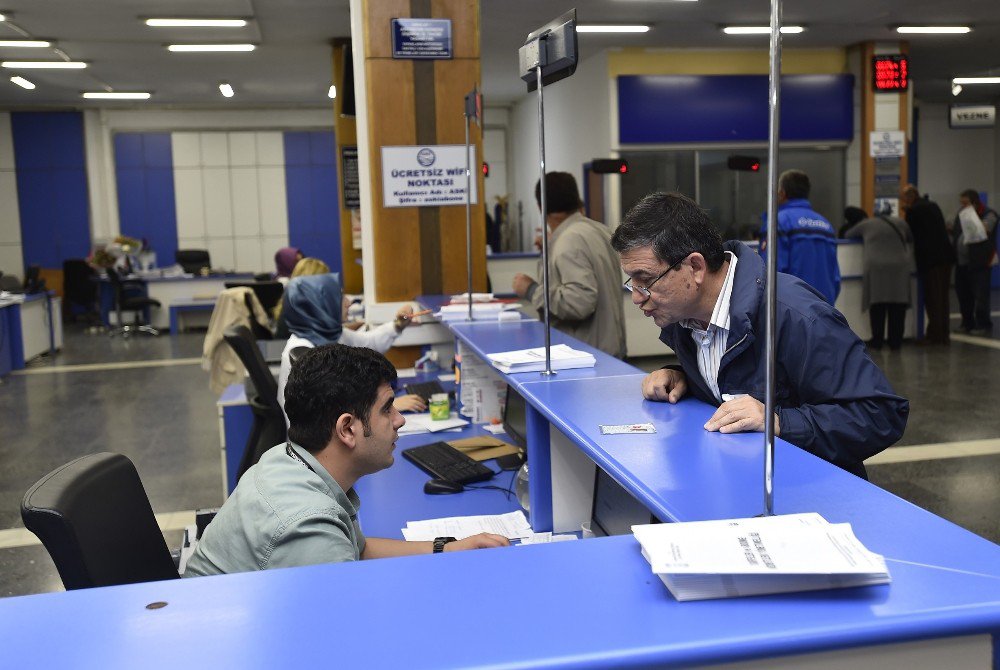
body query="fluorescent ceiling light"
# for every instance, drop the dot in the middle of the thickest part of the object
(976, 80)
(42, 65)
(933, 30)
(332, 93)
(104, 95)
(612, 29)
(22, 82)
(25, 44)
(196, 23)
(3, 17)
(226, 90)
(760, 30)
(211, 47)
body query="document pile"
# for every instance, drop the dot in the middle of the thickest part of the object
(533, 360)
(512, 525)
(746, 557)
(423, 423)
(481, 311)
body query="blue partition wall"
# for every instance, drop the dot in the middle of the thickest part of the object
(668, 109)
(144, 173)
(51, 186)
(313, 202)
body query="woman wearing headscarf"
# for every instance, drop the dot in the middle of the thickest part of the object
(313, 311)
(285, 260)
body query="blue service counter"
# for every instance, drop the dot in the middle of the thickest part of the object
(590, 603)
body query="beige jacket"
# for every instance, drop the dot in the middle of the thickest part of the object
(585, 285)
(217, 357)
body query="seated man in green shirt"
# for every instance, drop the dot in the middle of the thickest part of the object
(297, 506)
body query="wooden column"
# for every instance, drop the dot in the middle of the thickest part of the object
(346, 134)
(421, 250)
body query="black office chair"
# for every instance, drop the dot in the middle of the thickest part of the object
(262, 393)
(11, 284)
(95, 520)
(80, 291)
(268, 292)
(193, 260)
(130, 296)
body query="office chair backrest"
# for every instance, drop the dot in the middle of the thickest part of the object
(245, 345)
(78, 285)
(193, 260)
(95, 520)
(268, 292)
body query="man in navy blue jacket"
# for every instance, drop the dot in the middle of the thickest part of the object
(708, 298)
(807, 243)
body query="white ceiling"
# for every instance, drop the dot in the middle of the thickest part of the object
(292, 64)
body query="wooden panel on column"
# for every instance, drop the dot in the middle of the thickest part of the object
(345, 133)
(904, 125)
(421, 249)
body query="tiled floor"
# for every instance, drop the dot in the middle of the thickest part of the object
(163, 416)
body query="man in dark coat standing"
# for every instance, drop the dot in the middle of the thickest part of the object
(934, 255)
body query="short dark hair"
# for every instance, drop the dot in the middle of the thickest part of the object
(972, 195)
(328, 381)
(795, 184)
(561, 193)
(674, 226)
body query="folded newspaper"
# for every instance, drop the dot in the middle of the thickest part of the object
(744, 557)
(563, 357)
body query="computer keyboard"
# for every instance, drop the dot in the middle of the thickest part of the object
(444, 461)
(424, 389)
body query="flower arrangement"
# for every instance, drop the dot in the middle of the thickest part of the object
(109, 255)
(100, 258)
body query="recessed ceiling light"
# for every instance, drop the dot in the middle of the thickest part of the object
(612, 29)
(105, 95)
(976, 80)
(25, 44)
(3, 17)
(332, 93)
(42, 65)
(956, 89)
(196, 23)
(22, 82)
(760, 30)
(226, 90)
(211, 47)
(933, 30)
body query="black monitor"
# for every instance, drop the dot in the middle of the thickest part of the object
(515, 418)
(554, 46)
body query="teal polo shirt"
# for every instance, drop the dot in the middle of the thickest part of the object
(281, 514)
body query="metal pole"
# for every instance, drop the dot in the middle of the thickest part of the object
(468, 214)
(774, 109)
(545, 229)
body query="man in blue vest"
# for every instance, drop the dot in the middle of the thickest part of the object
(807, 243)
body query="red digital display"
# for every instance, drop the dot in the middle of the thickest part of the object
(890, 73)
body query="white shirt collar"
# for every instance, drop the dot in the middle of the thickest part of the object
(720, 314)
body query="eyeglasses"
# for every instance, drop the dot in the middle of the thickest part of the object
(644, 290)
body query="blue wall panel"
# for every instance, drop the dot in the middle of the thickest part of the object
(145, 178)
(51, 186)
(311, 191)
(661, 109)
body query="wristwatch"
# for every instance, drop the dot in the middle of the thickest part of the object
(439, 543)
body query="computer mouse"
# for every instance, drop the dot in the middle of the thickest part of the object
(439, 486)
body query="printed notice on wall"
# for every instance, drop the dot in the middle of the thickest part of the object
(887, 144)
(349, 171)
(426, 176)
(419, 39)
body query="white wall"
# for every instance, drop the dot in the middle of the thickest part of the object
(577, 130)
(100, 126)
(229, 192)
(11, 258)
(950, 161)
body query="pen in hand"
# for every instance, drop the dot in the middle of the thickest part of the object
(407, 317)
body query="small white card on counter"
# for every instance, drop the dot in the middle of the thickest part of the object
(627, 428)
